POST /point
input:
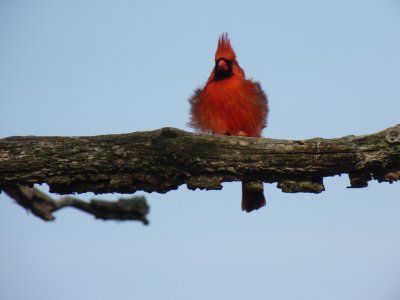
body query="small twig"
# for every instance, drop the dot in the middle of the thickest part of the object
(43, 206)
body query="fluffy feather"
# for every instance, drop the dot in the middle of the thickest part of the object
(231, 104)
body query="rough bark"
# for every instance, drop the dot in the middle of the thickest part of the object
(43, 206)
(162, 160)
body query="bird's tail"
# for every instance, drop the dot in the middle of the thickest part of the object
(252, 196)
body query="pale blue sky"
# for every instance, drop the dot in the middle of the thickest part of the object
(330, 68)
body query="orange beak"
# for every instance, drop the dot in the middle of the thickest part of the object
(222, 65)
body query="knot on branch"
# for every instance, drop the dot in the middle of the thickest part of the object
(170, 132)
(393, 135)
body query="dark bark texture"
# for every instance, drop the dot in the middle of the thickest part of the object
(43, 206)
(164, 159)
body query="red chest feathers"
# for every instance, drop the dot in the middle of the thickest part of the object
(236, 107)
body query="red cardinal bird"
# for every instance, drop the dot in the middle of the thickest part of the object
(233, 105)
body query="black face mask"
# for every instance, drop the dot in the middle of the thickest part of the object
(222, 74)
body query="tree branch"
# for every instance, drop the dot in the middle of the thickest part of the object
(162, 160)
(42, 206)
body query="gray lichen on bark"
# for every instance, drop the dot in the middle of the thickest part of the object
(164, 159)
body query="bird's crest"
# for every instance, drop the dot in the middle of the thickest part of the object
(224, 49)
